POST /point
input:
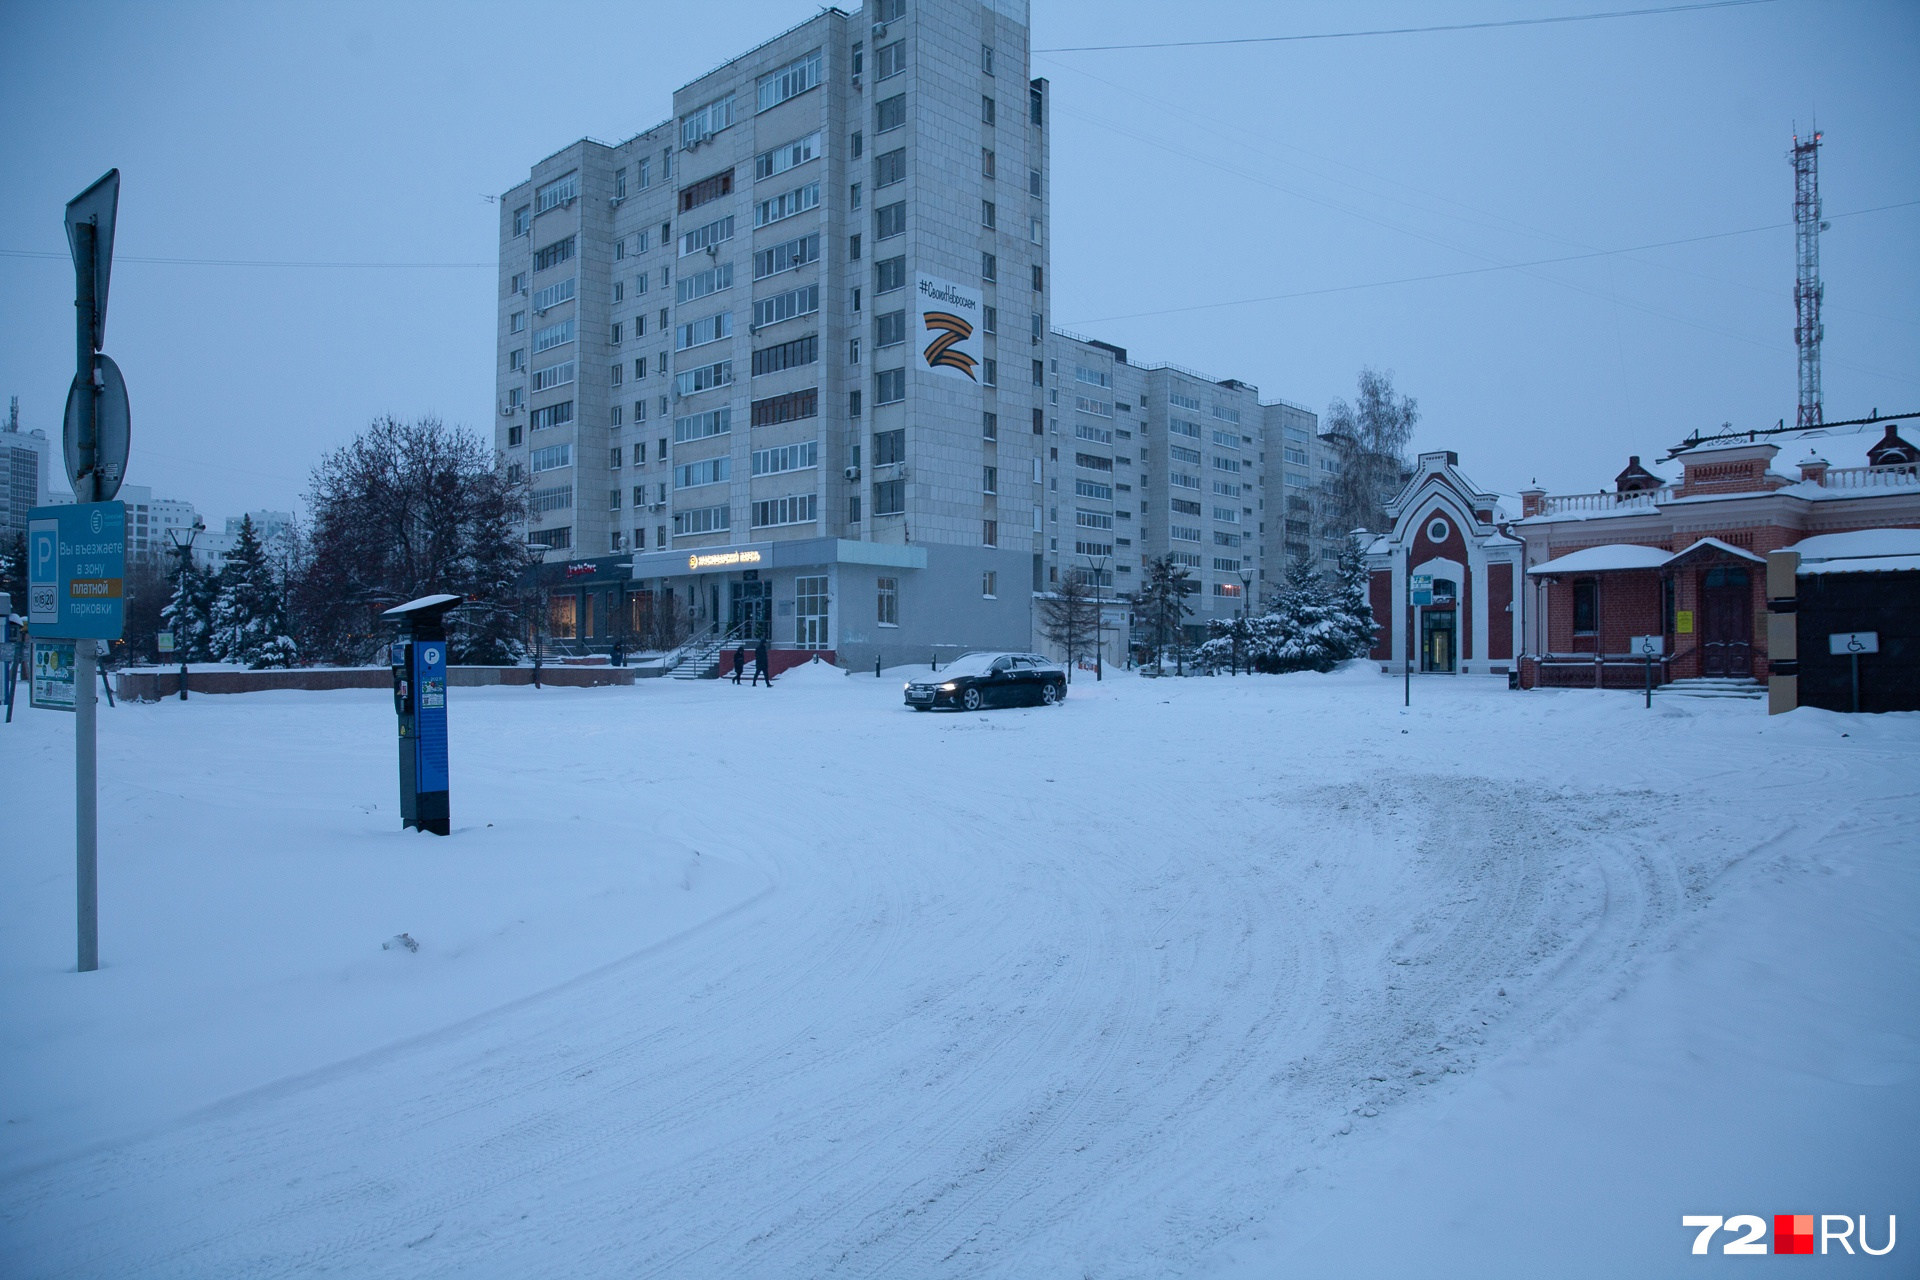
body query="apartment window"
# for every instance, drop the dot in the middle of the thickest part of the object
(986, 59)
(553, 295)
(986, 163)
(615, 374)
(701, 520)
(698, 426)
(890, 386)
(640, 406)
(619, 291)
(890, 168)
(1085, 519)
(890, 274)
(1039, 330)
(853, 353)
(798, 76)
(887, 592)
(639, 371)
(889, 60)
(704, 378)
(859, 141)
(890, 220)
(1227, 515)
(853, 196)
(1185, 533)
(516, 396)
(1039, 417)
(1039, 373)
(707, 121)
(785, 256)
(640, 285)
(803, 301)
(552, 458)
(719, 231)
(1225, 539)
(989, 372)
(1094, 489)
(1033, 105)
(989, 267)
(890, 114)
(859, 61)
(853, 404)
(987, 213)
(517, 283)
(1094, 462)
(799, 508)
(990, 480)
(989, 426)
(890, 329)
(613, 334)
(562, 190)
(557, 498)
(786, 156)
(889, 447)
(522, 220)
(516, 359)
(787, 204)
(1039, 278)
(701, 284)
(517, 322)
(554, 375)
(889, 497)
(513, 442)
(989, 535)
(1033, 183)
(1033, 234)
(990, 319)
(553, 335)
(786, 457)
(698, 333)
(791, 407)
(555, 540)
(639, 458)
(554, 254)
(788, 355)
(853, 248)
(692, 475)
(613, 504)
(853, 509)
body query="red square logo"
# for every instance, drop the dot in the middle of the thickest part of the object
(1793, 1233)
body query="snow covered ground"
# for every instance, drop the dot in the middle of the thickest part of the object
(1187, 977)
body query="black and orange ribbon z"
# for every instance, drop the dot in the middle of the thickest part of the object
(953, 331)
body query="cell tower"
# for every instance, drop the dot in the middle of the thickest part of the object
(1807, 289)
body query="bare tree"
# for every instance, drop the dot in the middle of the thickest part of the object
(1070, 618)
(1162, 603)
(1372, 435)
(410, 509)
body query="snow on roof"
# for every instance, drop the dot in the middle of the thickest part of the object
(1715, 543)
(1862, 551)
(1612, 556)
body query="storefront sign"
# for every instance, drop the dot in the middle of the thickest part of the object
(722, 559)
(1423, 589)
(580, 571)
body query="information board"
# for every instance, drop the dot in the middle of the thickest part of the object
(52, 688)
(76, 570)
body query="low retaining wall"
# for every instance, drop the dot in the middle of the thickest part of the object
(154, 684)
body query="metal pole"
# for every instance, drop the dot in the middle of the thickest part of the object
(1649, 682)
(1406, 664)
(1854, 658)
(86, 817)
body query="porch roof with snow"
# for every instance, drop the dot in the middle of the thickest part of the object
(1862, 551)
(1614, 557)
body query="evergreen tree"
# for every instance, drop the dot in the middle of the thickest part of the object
(248, 620)
(1352, 592)
(1162, 601)
(189, 614)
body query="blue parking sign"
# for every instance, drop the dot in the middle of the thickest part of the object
(76, 570)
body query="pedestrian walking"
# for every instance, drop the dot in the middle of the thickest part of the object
(760, 667)
(739, 661)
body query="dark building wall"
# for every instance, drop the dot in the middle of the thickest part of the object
(1888, 603)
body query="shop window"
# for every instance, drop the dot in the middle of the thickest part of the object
(562, 615)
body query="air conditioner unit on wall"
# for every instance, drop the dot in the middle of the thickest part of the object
(853, 473)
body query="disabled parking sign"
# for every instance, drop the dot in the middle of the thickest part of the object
(76, 570)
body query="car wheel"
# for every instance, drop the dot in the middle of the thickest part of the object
(970, 699)
(1049, 693)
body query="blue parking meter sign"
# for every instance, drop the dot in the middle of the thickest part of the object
(76, 570)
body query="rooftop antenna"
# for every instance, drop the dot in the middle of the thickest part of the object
(1807, 289)
(13, 413)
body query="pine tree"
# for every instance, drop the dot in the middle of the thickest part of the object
(249, 618)
(188, 614)
(1162, 601)
(1357, 621)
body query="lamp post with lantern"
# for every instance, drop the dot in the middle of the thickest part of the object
(183, 547)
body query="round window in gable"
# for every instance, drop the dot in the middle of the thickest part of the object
(1437, 530)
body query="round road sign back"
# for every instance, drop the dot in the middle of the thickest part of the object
(113, 428)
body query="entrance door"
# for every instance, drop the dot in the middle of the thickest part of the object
(1726, 622)
(749, 610)
(810, 612)
(1437, 639)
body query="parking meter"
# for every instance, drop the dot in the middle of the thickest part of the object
(418, 657)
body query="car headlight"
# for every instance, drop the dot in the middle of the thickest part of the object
(908, 686)
(948, 687)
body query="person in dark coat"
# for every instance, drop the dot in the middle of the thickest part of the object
(760, 667)
(739, 661)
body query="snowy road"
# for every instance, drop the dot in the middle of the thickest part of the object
(1081, 991)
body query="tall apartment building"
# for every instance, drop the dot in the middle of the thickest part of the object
(1147, 460)
(785, 350)
(25, 465)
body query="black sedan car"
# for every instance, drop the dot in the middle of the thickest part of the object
(977, 680)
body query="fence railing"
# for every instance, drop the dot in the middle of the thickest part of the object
(1871, 478)
(1611, 503)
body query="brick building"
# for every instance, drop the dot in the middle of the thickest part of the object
(1686, 560)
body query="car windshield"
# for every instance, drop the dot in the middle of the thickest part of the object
(969, 664)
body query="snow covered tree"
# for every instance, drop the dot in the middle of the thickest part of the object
(248, 620)
(1162, 604)
(1372, 435)
(13, 568)
(189, 614)
(1355, 601)
(1070, 618)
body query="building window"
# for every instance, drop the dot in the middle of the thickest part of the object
(889, 497)
(853, 404)
(989, 479)
(788, 355)
(987, 214)
(786, 156)
(787, 204)
(785, 256)
(554, 254)
(810, 612)
(989, 267)
(706, 191)
(890, 220)
(1039, 373)
(554, 294)
(1033, 234)
(552, 458)
(517, 283)
(798, 76)
(786, 457)
(554, 375)
(986, 110)
(889, 60)
(989, 372)
(692, 475)
(853, 248)
(890, 329)
(698, 426)
(859, 144)
(986, 163)
(889, 275)
(799, 508)
(1033, 183)
(890, 114)
(890, 386)
(890, 168)
(701, 520)
(853, 196)
(698, 333)
(562, 190)
(700, 284)
(990, 320)
(887, 592)
(853, 353)
(719, 231)
(522, 220)
(803, 301)
(1586, 607)
(989, 426)
(1033, 105)
(889, 447)
(513, 437)
(517, 359)
(795, 406)
(1039, 278)
(989, 534)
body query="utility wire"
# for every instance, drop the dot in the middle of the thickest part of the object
(1409, 31)
(261, 262)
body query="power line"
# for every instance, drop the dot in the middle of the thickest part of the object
(261, 262)
(1475, 271)
(1409, 31)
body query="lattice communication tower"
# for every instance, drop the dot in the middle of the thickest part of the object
(1807, 289)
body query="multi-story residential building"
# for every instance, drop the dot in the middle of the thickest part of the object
(25, 464)
(1148, 460)
(786, 348)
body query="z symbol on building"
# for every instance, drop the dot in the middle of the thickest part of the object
(954, 331)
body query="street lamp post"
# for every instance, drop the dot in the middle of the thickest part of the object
(1099, 566)
(185, 552)
(1246, 611)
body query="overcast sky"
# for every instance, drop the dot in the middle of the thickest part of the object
(1296, 174)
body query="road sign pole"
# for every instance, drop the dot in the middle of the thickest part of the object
(86, 812)
(1856, 682)
(1406, 697)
